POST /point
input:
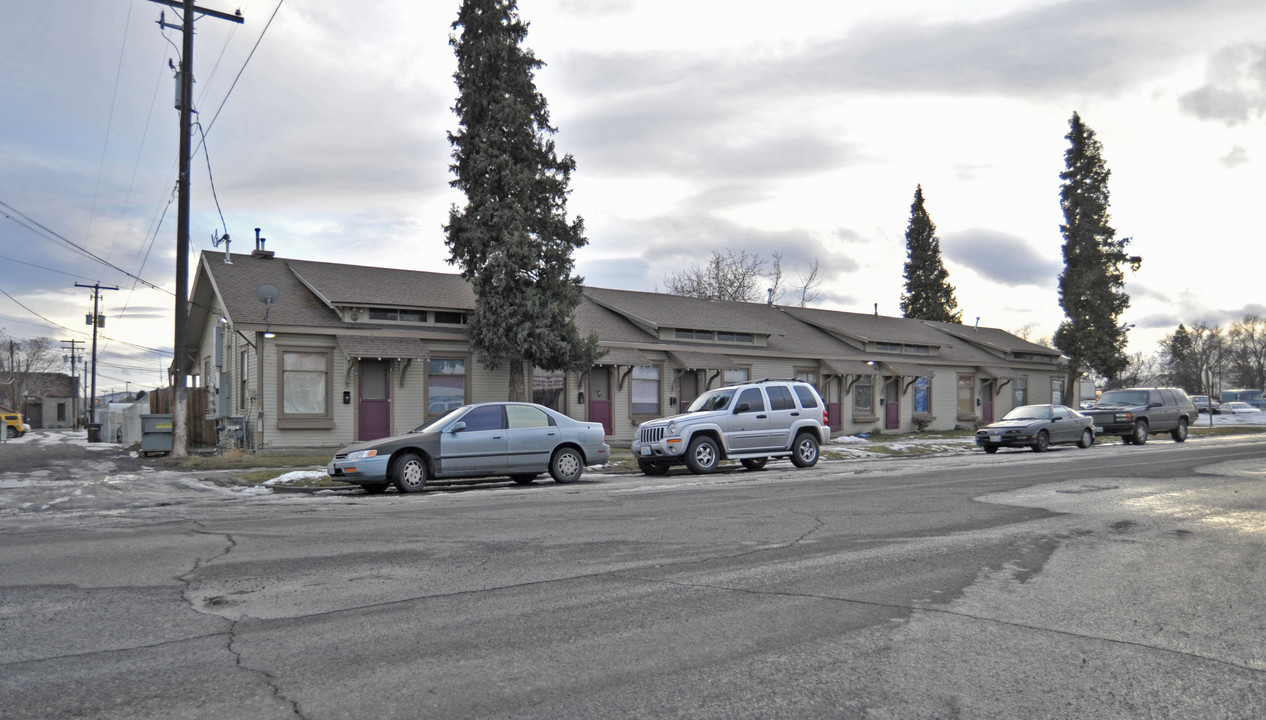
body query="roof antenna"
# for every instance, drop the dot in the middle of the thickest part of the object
(771, 296)
(215, 242)
(876, 308)
(977, 323)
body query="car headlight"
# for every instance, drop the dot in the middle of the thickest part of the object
(672, 428)
(361, 454)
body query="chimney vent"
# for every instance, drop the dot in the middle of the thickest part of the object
(259, 251)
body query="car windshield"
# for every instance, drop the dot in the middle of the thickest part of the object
(1120, 398)
(1029, 412)
(441, 421)
(715, 400)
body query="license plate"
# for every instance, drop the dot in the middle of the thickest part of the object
(646, 450)
(995, 438)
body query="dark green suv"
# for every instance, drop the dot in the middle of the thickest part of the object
(1136, 413)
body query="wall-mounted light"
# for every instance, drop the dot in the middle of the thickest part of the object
(270, 335)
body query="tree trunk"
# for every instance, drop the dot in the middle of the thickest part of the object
(518, 393)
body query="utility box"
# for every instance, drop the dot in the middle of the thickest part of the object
(155, 434)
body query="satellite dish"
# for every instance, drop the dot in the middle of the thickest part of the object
(267, 294)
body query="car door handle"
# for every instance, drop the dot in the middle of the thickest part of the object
(795, 414)
(761, 417)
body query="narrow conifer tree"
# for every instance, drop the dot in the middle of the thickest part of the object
(1091, 288)
(512, 239)
(928, 295)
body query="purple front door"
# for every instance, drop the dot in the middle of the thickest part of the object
(374, 408)
(600, 397)
(892, 404)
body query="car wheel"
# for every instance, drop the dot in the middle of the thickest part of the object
(702, 455)
(754, 463)
(991, 449)
(409, 473)
(1087, 439)
(805, 452)
(567, 465)
(1043, 442)
(1140, 433)
(10, 431)
(653, 468)
(1179, 434)
(523, 479)
(375, 489)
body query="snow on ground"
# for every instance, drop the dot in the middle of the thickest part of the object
(60, 437)
(297, 476)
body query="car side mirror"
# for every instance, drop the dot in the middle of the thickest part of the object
(742, 408)
(457, 427)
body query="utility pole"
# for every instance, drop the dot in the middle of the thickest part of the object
(96, 320)
(180, 371)
(71, 358)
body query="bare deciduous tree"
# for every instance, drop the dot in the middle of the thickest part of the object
(741, 277)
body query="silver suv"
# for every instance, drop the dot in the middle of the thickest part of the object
(750, 423)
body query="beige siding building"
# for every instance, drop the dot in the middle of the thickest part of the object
(348, 353)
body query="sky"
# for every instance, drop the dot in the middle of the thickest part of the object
(800, 128)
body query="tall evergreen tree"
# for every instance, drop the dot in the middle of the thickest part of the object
(1091, 288)
(928, 295)
(512, 240)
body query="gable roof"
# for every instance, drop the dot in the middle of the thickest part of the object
(311, 292)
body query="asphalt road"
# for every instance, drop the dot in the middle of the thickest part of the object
(1114, 582)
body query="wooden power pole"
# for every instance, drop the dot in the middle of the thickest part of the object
(180, 364)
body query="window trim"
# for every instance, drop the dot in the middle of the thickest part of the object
(305, 421)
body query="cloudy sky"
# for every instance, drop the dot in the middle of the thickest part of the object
(797, 127)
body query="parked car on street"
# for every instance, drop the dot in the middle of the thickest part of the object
(1204, 404)
(13, 424)
(1136, 413)
(750, 423)
(518, 440)
(1037, 427)
(1239, 408)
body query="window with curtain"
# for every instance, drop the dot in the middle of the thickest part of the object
(864, 394)
(305, 388)
(646, 390)
(923, 395)
(966, 395)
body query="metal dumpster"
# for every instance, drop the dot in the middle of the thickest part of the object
(155, 434)
(94, 432)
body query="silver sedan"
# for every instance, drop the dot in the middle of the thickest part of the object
(518, 440)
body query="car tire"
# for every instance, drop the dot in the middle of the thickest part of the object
(523, 479)
(1086, 440)
(653, 468)
(1139, 437)
(754, 463)
(991, 449)
(1042, 443)
(409, 473)
(1179, 434)
(375, 488)
(567, 465)
(804, 451)
(11, 431)
(702, 456)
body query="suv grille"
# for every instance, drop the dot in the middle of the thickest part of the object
(651, 434)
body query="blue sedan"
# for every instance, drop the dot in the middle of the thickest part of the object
(518, 440)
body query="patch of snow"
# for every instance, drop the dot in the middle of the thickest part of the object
(296, 476)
